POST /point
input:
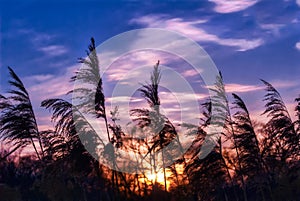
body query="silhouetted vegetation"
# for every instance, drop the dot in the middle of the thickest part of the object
(251, 160)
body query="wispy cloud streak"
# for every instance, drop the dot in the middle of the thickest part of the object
(193, 30)
(54, 50)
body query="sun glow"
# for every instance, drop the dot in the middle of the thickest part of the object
(151, 177)
(159, 178)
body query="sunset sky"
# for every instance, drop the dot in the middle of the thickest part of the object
(247, 39)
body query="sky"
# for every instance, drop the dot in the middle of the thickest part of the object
(248, 40)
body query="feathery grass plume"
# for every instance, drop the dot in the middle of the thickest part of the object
(159, 130)
(247, 144)
(64, 114)
(89, 95)
(65, 150)
(150, 90)
(246, 139)
(18, 121)
(282, 141)
(297, 122)
(207, 175)
(89, 77)
(215, 113)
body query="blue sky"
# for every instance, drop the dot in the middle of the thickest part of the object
(247, 40)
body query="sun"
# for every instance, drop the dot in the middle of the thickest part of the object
(158, 177)
(151, 177)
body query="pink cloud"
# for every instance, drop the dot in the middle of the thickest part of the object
(230, 6)
(239, 88)
(283, 83)
(190, 73)
(50, 86)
